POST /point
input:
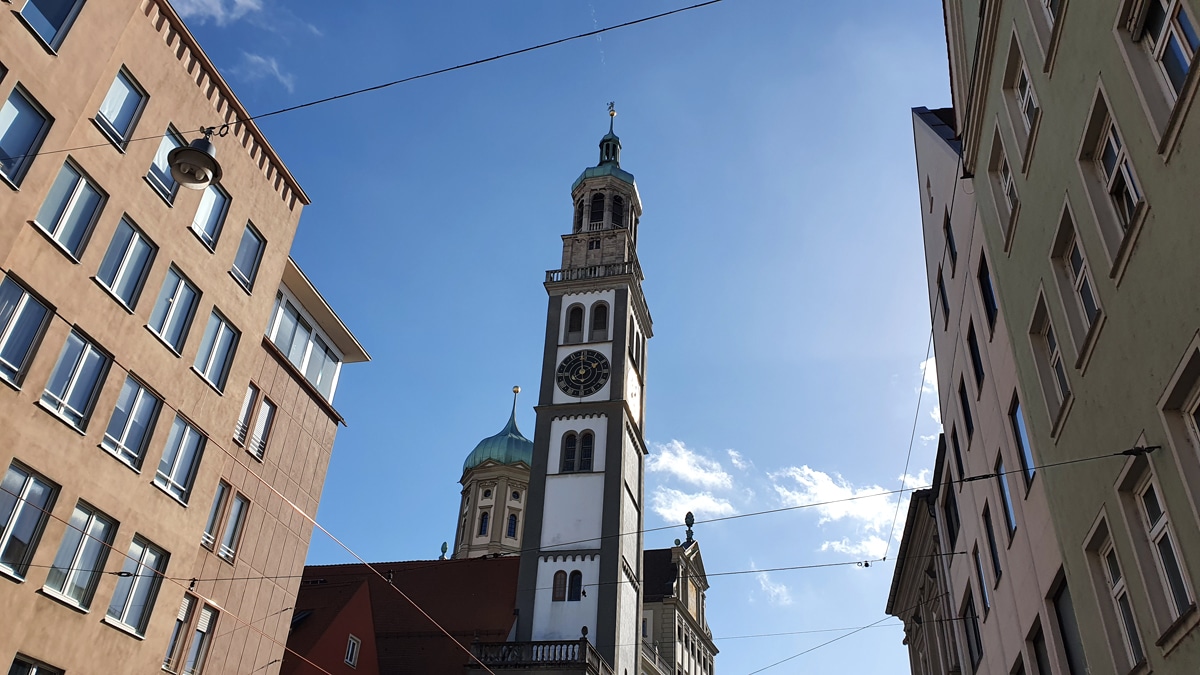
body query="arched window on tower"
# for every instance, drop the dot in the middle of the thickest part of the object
(599, 322)
(575, 324)
(483, 524)
(575, 586)
(618, 211)
(597, 216)
(512, 526)
(560, 587)
(568, 453)
(586, 442)
(579, 216)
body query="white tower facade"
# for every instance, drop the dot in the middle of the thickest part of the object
(582, 547)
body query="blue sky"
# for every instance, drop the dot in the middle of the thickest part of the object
(772, 143)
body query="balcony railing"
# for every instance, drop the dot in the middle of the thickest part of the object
(542, 655)
(650, 652)
(594, 272)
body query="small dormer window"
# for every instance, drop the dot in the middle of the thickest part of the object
(516, 496)
(487, 494)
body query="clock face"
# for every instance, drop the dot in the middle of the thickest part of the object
(582, 373)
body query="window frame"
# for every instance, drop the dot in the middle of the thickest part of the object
(511, 529)
(235, 523)
(1156, 532)
(21, 166)
(484, 518)
(138, 577)
(575, 586)
(1019, 428)
(353, 648)
(210, 239)
(59, 404)
(246, 281)
(172, 319)
(13, 521)
(210, 358)
(34, 667)
(174, 475)
(55, 41)
(973, 637)
(987, 293)
(1118, 593)
(9, 327)
(120, 139)
(1010, 514)
(65, 212)
(216, 515)
(133, 456)
(153, 177)
(261, 431)
(284, 299)
(976, 357)
(122, 267)
(241, 431)
(77, 565)
(559, 587)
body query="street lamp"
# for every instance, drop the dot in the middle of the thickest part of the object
(195, 165)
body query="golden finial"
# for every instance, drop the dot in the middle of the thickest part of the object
(517, 389)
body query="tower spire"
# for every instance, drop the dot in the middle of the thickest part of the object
(610, 145)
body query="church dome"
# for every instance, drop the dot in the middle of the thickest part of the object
(506, 447)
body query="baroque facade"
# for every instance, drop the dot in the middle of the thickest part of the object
(161, 452)
(1057, 206)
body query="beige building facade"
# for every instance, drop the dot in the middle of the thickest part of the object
(161, 449)
(1071, 130)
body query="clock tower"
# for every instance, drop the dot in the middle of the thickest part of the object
(581, 555)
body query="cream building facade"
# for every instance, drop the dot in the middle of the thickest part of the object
(1071, 130)
(160, 449)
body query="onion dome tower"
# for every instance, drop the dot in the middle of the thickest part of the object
(495, 480)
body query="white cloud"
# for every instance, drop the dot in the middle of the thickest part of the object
(870, 509)
(220, 11)
(930, 383)
(256, 67)
(674, 458)
(738, 461)
(777, 593)
(673, 505)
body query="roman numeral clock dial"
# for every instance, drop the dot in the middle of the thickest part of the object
(582, 373)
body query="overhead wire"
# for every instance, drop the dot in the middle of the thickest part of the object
(393, 83)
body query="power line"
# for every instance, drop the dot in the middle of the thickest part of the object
(403, 80)
(911, 437)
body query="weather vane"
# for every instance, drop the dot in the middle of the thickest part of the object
(612, 109)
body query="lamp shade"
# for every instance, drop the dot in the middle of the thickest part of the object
(195, 166)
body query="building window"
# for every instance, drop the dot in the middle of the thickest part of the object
(51, 19)
(1054, 357)
(137, 587)
(1113, 160)
(586, 443)
(976, 356)
(958, 460)
(618, 211)
(575, 586)
(990, 307)
(1121, 606)
(174, 309)
(993, 549)
(952, 249)
(1073, 275)
(305, 347)
(1068, 626)
(984, 596)
(21, 320)
(599, 322)
(579, 217)
(1158, 530)
(1016, 420)
(180, 459)
(70, 210)
(249, 255)
(570, 444)
(209, 539)
(1026, 100)
(24, 666)
(159, 175)
(216, 351)
(243, 425)
(593, 244)
(132, 418)
(943, 299)
(126, 263)
(970, 622)
(483, 524)
(210, 216)
(23, 126)
(597, 214)
(178, 634)
(1080, 277)
(81, 556)
(950, 513)
(1020, 100)
(76, 380)
(1041, 652)
(1010, 518)
(560, 587)
(575, 324)
(25, 502)
(262, 429)
(1170, 37)
(516, 496)
(352, 647)
(512, 526)
(1004, 186)
(205, 624)
(965, 403)
(233, 528)
(120, 109)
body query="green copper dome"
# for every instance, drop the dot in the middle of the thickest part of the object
(506, 447)
(610, 158)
